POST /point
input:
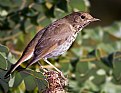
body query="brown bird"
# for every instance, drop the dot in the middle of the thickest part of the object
(54, 39)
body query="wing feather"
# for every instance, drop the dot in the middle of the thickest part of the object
(51, 39)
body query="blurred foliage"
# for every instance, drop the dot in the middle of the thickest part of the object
(92, 64)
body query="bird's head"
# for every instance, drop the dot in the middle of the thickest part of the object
(79, 20)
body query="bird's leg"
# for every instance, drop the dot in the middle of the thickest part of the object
(45, 59)
(61, 74)
(42, 67)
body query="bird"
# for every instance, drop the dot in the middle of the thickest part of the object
(53, 40)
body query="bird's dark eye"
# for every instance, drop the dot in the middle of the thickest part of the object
(82, 16)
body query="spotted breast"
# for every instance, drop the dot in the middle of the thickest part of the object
(63, 47)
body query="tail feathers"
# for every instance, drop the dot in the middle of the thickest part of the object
(32, 61)
(12, 68)
(10, 71)
(17, 67)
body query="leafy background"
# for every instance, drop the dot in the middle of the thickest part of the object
(92, 64)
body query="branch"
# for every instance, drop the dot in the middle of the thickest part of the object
(89, 59)
(16, 52)
(99, 58)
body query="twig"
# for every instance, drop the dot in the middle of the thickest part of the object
(48, 66)
(16, 52)
(98, 59)
(10, 37)
(89, 59)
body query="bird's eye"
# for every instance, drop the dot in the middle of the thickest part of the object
(82, 16)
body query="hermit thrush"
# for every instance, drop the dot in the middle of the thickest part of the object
(54, 39)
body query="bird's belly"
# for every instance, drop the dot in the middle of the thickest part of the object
(62, 48)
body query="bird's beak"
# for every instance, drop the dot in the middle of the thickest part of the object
(89, 21)
(94, 19)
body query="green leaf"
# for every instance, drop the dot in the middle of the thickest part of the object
(3, 49)
(73, 87)
(98, 53)
(49, 12)
(82, 67)
(4, 86)
(41, 82)
(33, 79)
(34, 20)
(116, 69)
(62, 4)
(98, 76)
(39, 1)
(92, 87)
(18, 79)
(109, 87)
(65, 66)
(30, 82)
(45, 22)
(79, 4)
(77, 51)
(108, 60)
(106, 47)
(11, 58)
(117, 56)
(4, 82)
(22, 26)
(3, 62)
(114, 29)
(82, 71)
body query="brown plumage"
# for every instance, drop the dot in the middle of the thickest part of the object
(54, 39)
